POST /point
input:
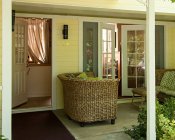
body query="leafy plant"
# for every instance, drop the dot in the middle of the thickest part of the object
(165, 122)
(137, 132)
(172, 0)
(167, 127)
(3, 138)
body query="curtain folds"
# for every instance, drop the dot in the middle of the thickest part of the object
(38, 40)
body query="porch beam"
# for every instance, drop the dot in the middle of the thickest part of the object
(150, 68)
(6, 67)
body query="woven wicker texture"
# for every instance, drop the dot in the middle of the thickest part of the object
(89, 100)
(159, 75)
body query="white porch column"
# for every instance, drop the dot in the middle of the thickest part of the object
(150, 67)
(6, 67)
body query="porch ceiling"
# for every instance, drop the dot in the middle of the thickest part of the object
(85, 11)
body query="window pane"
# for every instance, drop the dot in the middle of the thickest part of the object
(109, 35)
(131, 47)
(109, 47)
(140, 47)
(104, 48)
(131, 36)
(139, 35)
(131, 82)
(104, 34)
(90, 47)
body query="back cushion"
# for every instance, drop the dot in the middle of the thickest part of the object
(168, 80)
(82, 76)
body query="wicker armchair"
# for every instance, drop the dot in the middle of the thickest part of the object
(89, 100)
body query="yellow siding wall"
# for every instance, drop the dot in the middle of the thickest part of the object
(65, 52)
(170, 47)
(0, 65)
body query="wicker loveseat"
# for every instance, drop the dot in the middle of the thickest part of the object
(89, 100)
(161, 93)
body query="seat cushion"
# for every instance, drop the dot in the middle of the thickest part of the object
(165, 90)
(82, 76)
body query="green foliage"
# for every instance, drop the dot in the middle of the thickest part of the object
(3, 138)
(167, 128)
(137, 132)
(165, 122)
(172, 0)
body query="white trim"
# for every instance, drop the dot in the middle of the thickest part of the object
(165, 46)
(6, 67)
(34, 109)
(80, 45)
(131, 6)
(54, 38)
(33, 15)
(150, 68)
(0, 88)
(99, 50)
(98, 19)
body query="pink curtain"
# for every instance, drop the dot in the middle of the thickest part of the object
(38, 40)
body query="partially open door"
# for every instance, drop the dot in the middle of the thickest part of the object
(19, 43)
(133, 58)
(108, 51)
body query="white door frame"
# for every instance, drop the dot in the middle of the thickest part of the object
(53, 82)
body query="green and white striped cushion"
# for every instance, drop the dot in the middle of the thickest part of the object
(168, 80)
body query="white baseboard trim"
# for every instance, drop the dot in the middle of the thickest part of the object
(33, 109)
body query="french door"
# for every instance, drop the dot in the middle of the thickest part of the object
(19, 94)
(133, 58)
(99, 49)
(107, 52)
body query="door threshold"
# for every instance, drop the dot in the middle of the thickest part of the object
(129, 100)
(32, 109)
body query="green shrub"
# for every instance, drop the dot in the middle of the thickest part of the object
(165, 122)
(167, 128)
(137, 132)
(3, 138)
